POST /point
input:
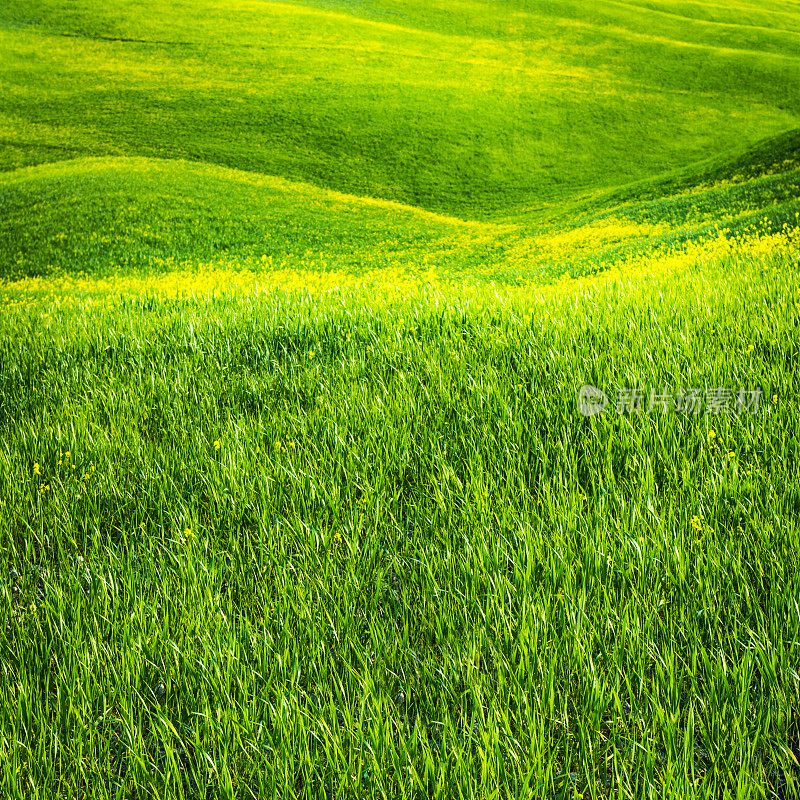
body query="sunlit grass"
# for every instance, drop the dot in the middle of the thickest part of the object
(296, 303)
(468, 108)
(290, 542)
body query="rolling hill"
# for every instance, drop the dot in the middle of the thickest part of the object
(474, 110)
(398, 399)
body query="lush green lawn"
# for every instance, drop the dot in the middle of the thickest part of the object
(296, 301)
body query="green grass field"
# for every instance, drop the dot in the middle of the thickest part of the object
(296, 496)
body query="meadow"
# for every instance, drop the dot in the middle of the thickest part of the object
(296, 495)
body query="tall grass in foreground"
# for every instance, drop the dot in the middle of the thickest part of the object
(278, 545)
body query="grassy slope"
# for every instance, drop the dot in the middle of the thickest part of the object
(275, 545)
(466, 108)
(140, 215)
(144, 214)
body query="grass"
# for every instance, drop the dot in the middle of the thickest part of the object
(290, 544)
(296, 301)
(144, 216)
(464, 108)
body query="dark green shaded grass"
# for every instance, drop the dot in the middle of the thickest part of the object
(756, 176)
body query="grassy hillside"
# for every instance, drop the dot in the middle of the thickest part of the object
(474, 109)
(296, 495)
(120, 216)
(123, 215)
